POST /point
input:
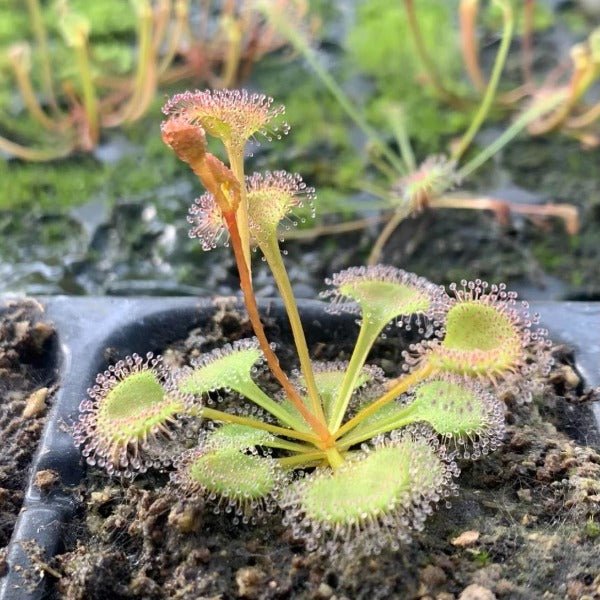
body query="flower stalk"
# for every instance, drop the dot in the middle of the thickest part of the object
(368, 334)
(492, 86)
(235, 155)
(317, 426)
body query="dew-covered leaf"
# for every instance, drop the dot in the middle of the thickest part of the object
(374, 498)
(382, 294)
(227, 367)
(238, 437)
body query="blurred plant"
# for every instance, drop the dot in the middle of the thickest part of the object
(571, 82)
(356, 460)
(412, 187)
(214, 43)
(439, 73)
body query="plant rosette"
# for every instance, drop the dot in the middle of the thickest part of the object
(330, 425)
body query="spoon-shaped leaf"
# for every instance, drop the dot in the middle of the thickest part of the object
(374, 498)
(228, 367)
(239, 482)
(382, 294)
(133, 403)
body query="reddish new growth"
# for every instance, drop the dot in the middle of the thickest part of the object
(187, 140)
(207, 222)
(234, 116)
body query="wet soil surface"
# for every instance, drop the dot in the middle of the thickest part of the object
(525, 525)
(26, 388)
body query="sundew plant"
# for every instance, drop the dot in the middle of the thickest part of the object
(353, 459)
(407, 185)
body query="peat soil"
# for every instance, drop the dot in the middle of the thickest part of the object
(27, 378)
(526, 523)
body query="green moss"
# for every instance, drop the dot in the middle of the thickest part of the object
(543, 17)
(592, 529)
(145, 165)
(317, 122)
(574, 18)
(381, 46)
(481, 557)
(113, 57)
(108, 17)
(548, 256)
(14, 23)
(577, 278)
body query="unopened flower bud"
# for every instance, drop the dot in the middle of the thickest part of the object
(187, 140)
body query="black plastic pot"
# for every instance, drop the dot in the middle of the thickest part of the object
(94, 332)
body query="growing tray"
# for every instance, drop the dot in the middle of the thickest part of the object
(93, 332)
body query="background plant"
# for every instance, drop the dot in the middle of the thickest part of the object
(353, 458)
(119, 203)
(86, 86)
(413, 187)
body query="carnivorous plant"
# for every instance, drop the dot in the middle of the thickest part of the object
(407, 185)
(354, 459)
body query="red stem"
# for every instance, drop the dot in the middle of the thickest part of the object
(468, 41)
(250, 301)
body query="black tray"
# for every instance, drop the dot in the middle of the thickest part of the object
(95, 331)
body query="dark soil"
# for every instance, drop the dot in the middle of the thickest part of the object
(26, 389)
(525, 525)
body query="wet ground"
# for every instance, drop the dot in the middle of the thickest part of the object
(140, 246)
